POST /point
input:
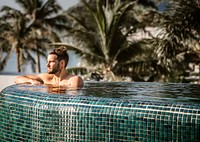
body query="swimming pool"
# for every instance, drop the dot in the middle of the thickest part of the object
(101, 111)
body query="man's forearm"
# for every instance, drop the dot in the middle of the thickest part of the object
(22, 79)
(27, 80)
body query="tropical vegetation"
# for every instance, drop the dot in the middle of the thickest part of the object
(105, 34)
(179, 48)
(104, 31)
(28, 30)
(140, 40)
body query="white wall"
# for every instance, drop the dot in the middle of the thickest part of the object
(6, 80)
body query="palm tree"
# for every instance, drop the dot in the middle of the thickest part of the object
(14, 33)
(179, 45)
(101, 36)
(45, 16)
(5, 50)
(37, 23)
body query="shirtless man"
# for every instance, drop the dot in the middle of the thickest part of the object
(56, 75)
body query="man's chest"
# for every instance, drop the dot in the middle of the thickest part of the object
(57, 82)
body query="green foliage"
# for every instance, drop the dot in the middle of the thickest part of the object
(179, 45)
(105, 35)
(102, 30)
(77, 70)
(14, 33)
(29, 30)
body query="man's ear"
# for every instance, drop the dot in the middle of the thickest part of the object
(62, 63)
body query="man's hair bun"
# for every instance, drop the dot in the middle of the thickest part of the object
(61, 50)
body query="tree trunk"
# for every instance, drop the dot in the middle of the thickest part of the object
(199, 73)
(38, 68)
(18, 60)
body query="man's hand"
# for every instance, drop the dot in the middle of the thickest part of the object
(35, 82)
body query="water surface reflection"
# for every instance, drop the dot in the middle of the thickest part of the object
(170, 92)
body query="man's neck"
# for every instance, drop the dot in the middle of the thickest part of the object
(59, 76)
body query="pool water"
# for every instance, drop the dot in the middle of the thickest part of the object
(101, 111)
(171, 92)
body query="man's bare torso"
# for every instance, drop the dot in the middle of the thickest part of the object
(51, 79)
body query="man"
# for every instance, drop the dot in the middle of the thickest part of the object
(56, 75)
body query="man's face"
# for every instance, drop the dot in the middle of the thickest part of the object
(53, 65)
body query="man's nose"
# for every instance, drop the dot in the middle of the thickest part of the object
(47, 64)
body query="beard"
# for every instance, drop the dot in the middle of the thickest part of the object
(54, 70)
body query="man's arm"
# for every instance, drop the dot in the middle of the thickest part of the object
(28, 79)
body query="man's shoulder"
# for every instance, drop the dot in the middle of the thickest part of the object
(71, 76)
(75, 81)
(45, 75)
(74, 78)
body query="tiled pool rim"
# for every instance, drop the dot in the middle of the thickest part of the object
(33, 116)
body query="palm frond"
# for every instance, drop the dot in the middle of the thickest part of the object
(79, 49)
(77, 70)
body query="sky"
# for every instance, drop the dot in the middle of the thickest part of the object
(11, 66)
(64, 3)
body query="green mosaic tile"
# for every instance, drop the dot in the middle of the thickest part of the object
(26, 116)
